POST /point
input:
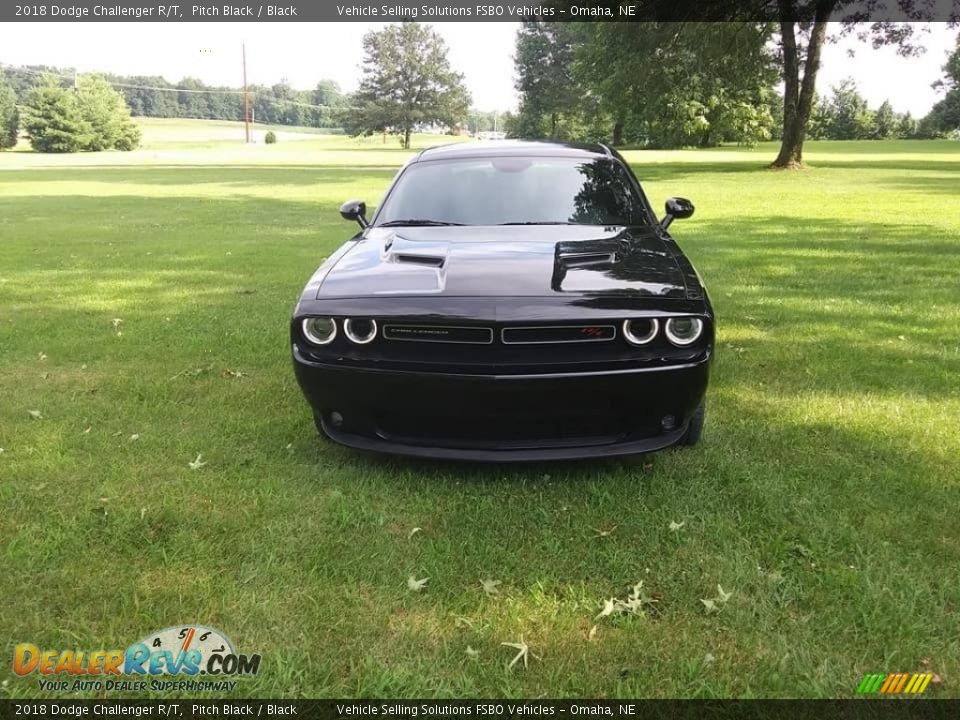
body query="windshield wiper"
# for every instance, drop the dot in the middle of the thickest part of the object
(412, 222)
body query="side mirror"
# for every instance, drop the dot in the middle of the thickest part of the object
(677, 209)
(355, 210)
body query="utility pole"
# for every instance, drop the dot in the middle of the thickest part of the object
(246, 98)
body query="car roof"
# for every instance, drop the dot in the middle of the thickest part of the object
(517, 148)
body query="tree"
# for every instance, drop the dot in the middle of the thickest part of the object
(331, 101)
(945, 115)
(850, 118)
(545, 80)
(803, 31)
(53, 120)
(885, 122)
(406, 82)
(672, 84)
(9, 115)
(105, 112)
(906, 126)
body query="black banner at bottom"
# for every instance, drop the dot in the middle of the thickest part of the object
(854, 709)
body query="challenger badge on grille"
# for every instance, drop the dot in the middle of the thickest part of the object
(439, 334)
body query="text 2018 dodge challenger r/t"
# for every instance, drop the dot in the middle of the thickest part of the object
(508, 301)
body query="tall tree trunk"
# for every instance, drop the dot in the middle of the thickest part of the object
(618, 132)
(406, 138)
(798, 93)
(553, 125)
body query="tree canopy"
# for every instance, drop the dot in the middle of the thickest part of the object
(154, 96)
(655, 84)
(406, 82)
(670, 84)
(9, 115)
(93, 116)
(106, 115)
(945, 115)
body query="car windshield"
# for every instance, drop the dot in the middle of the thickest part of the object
(514, 191)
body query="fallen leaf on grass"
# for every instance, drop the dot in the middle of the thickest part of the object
(135, 436)
(233, 373)
(490, 586)
(143, 513)
(714, 604)
(675, 526)
(604, 533)
(593, 633)
(472, 653)
(416, 585)
(192, 372)
(608, 607)
(116, 322)
(42, 356)
(413, 532)
(196, 464)
(523, 652)
(637, 602)
(35, 414)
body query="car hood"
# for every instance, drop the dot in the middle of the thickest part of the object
(505, 261)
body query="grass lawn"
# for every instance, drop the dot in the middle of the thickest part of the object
(144, 301)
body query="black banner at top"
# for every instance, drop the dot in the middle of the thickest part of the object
(475, 10)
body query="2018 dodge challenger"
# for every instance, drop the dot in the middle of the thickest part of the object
(508, 301)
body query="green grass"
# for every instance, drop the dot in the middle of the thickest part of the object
(824, 495)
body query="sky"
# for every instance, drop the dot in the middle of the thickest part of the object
(303, 53)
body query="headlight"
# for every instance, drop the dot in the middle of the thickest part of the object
(360, 330)
(684, 330)
(640, 332)
(320, 330)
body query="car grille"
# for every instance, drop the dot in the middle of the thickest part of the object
(439, 334)
(550, 334)
(532, 335)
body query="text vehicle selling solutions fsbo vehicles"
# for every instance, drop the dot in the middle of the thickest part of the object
(508, 301)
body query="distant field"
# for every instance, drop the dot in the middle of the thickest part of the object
(214, 142)
(144, 302)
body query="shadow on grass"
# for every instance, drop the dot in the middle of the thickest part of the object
(186, 175)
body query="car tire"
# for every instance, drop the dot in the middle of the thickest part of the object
(694, 427)
(319, 425)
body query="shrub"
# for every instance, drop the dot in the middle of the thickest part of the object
(270, 138)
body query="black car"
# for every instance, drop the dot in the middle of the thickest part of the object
(508, 301)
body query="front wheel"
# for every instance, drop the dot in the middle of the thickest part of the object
(319, 425)
(695, 426)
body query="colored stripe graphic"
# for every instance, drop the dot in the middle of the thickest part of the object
(894, 683)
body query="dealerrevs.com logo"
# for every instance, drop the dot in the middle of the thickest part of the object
(179, 658)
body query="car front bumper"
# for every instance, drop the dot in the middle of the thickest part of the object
(503, 417)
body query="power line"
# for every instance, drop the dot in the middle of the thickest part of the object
(213, 91)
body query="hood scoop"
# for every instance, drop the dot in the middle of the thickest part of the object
(587, 259)
(419, 259)
(397, 249)
(587, 253)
